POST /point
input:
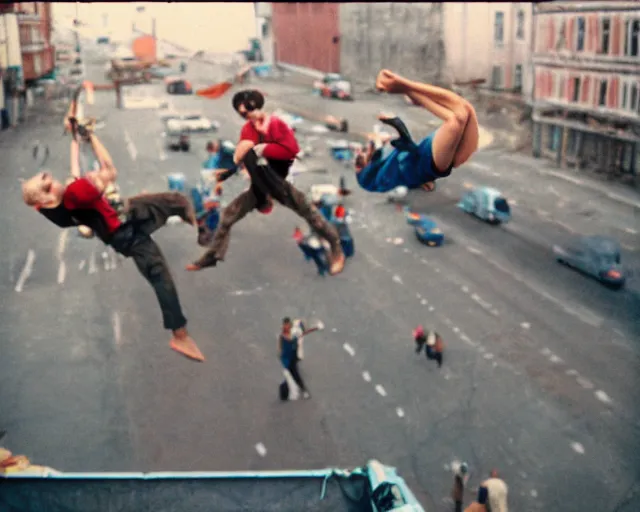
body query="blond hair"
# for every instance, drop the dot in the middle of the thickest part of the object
(497, 490)
(31, 193)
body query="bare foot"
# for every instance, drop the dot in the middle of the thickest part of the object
(388, 82)
(337, 262)
(184, 344)
(383, 116)
(192, 267)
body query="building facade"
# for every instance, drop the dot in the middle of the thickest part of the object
(264, 29)
(35, 22)
(587, 84)
(441, 43)
(490, 42)
(307, 35)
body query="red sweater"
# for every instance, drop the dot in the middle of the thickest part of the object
(281, 143)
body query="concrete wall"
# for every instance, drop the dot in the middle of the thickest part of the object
(406, 37)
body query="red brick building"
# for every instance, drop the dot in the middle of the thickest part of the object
(587, 83)
(34, 20)
(307, 35)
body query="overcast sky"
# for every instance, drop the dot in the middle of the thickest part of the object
(216, 27)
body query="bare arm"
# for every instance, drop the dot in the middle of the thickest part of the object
(242, 149)
(75, 159)
(108, 172)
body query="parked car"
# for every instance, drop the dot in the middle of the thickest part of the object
(487, 204)
(103, 40)
(179, 86)
(427, 232)
(333, 85)
(190, 121)
(596, 256)
(177, 137)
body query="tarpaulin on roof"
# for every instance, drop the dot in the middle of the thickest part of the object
(144, 48)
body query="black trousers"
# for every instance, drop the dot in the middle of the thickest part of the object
(266, 179)
(146, 214)
(295, 373)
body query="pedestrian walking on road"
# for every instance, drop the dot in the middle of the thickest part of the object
(432, 342)
(267, 148)
(459, 481)
(419, 165)
(82, 202)
(288, 354)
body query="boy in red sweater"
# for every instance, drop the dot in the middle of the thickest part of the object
(267, 148)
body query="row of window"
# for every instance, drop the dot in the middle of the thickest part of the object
(498, 79)
(498, 26)
(600, 34)
(615, 92)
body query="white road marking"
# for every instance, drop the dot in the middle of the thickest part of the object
(397, 279)
(431, 308)
(577, 447)
(105, 260)
(114, 260)
(82, 264)
(525, 325)
(400, 412)
(26, 270)
(423, 261)
(405, 250)
(465, 289)
(586, 384)
(473, 250)
(555, 359)
(117, 328)
(437, 270)
(133, 152)
(534, 493)
(572, 372)
(456, 330)
(334, 330)
(92, 263)
(424, 302)
(62, 242)
(602, 396)
(62, 272)
(366, 376)
(349, 349)
(260, 448)
(631, 231)
(488, 355)
(380, 390)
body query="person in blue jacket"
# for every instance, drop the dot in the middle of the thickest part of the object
(288, 354)
(405, 163)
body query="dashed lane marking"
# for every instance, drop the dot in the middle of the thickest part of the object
(26, 270)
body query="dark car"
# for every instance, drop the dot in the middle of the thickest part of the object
(596, 256)
(179, 86)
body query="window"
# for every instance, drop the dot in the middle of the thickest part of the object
(498, 28)
(576, 89)
(517, 79)
(605, 36)
(602, 100)
(633, 100)
(37, 67)
(625, 95)
(265, 30)
(520, 25)
(553, 137)
(631, 35)
(560, 93)
(496, 77)
(580, 35)
(561, 40)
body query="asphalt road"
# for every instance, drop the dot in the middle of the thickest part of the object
(540, 369)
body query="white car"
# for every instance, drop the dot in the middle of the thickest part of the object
(196, 123)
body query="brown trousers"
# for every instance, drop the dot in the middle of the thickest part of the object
(246, 201)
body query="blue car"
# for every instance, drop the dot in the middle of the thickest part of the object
(487, 204)
(427, 232)
(596, 256)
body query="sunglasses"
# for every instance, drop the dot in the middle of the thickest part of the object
(247, 110)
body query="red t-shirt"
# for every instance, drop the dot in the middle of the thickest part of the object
(83, 195)
(280, 140)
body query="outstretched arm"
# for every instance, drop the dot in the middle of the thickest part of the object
(108, 172)
(76, 172)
